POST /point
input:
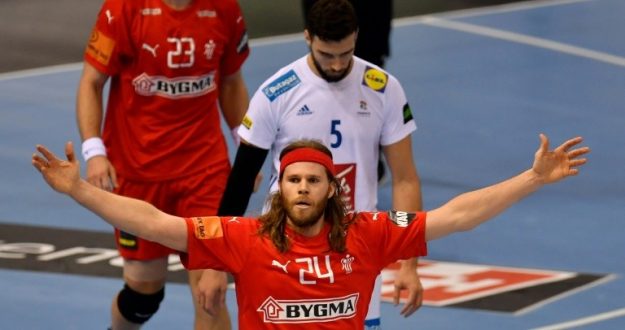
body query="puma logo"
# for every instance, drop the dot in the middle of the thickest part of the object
(234, 220)
(277, 264)
(150, 49)
(109, 16)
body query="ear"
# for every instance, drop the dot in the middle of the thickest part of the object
(307, 37)
(332, 190)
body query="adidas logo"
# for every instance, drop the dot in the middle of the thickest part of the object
(304, 111)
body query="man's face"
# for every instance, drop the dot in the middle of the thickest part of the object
(305, 190)
(332, 59)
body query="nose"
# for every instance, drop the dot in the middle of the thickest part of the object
(303, 187)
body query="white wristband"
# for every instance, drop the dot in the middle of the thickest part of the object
(92, 147)
(235, 135)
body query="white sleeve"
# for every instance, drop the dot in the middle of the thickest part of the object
(260, 125)
(399, 121)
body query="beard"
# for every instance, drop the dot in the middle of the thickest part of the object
(304, 218)
(335, 76)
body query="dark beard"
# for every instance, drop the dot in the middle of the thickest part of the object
(327, 77)
(307, 221)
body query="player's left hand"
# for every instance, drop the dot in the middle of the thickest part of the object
(62, 175)
(212, 291)
(407, 278)
(559, 163)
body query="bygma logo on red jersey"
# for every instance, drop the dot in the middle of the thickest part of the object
(308, 310)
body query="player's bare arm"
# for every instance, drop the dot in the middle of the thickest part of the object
(233, 98)
(131, 215)
(89, 114)
(469, 210)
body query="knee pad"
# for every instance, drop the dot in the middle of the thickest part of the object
(138, 307)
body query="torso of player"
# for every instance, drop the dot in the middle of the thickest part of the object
(337, 286)
(309, 284)
(165, 71)
(348, 116)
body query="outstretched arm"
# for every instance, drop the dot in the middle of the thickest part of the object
(471, 209)
(130, 215)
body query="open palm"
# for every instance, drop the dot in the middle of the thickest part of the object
(61, 175)
(554, 165)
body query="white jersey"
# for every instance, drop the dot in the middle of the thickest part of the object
(352, 117)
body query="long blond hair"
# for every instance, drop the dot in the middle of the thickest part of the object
(273, 222)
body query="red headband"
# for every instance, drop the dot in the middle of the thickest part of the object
(307, 155)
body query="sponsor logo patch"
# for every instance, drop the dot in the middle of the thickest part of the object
(483, 287)
(182, 87)
(100, 47)
(128, 241)
(207, 227)
(247, 122)
(401, 218)
(407, 113)
(308, 310)
(375, 79)
(281, 85)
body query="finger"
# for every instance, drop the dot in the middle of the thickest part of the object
(577, 162)
(578, 152)
(210, 308)
(396, 294)
(568, 144)
(38, 162)
(410, 307)
(46, 153)
(113, 175)
(544, 143)
(69, 152)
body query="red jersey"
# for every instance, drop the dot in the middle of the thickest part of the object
(162, 118)
(309, 284)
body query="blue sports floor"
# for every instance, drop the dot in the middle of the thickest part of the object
(482, 85)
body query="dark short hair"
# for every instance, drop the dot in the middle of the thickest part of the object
(332, 20)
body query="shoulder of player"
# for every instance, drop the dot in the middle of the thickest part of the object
(281, 82)
(373, 77)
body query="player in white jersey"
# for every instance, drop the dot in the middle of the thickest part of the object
(352, 106)
(350, 116)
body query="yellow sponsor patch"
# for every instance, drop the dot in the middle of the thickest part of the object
(375, 79)
(100, 47)
(247, 122)
(207, 227)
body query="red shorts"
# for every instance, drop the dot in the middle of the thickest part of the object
(191, 196)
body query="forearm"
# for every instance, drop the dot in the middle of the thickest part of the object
(89, 110)
(407, 195)
(469, 210)
(233, 99)
(132, 215)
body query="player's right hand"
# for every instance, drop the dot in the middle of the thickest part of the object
(101, 173)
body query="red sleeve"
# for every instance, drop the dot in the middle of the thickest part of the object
(109, 39)
(401, 234)
(237, 50)
(218, 243)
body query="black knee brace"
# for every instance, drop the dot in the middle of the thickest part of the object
(138, 307)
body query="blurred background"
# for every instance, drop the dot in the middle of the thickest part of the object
(36, 33)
